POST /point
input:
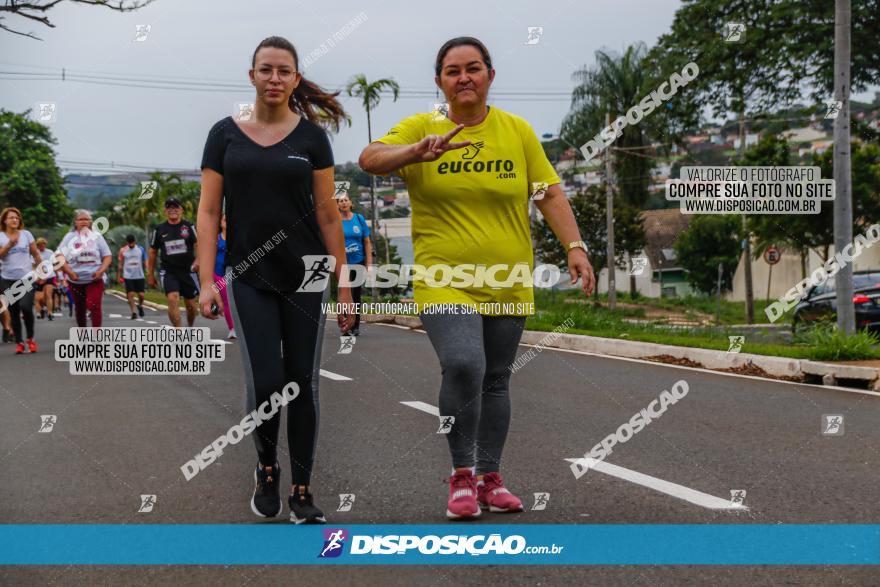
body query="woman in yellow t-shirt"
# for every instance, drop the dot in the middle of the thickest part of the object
(470, 226)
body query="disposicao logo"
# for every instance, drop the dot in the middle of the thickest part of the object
(334, 542)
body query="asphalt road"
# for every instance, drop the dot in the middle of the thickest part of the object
(116, 438)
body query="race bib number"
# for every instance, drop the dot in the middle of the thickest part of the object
(175, 247)
(133, 262)
(86, 256)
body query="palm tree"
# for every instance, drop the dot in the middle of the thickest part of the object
(616, 83)
(370, 94)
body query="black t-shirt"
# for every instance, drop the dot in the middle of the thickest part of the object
(176, 244)
(270, 212)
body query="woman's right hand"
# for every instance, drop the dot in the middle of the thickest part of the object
(207, 297)
(346, 310)
(432, 147)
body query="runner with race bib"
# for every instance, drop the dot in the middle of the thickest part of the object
(174, 240)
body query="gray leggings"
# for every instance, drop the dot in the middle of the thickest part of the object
(475, 352)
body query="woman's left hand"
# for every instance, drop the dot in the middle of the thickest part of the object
(345, 309)
(579, 267)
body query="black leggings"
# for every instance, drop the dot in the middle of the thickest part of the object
(24, 306)
(280, 335)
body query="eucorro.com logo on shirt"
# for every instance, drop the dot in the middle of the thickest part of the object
(503, 167)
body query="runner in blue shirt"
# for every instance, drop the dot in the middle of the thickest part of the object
(358, 249)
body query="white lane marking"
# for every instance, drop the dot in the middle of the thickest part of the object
(680, 491)
(140, 320)
(115, 315)
(697, 369)
(150, 322)
(423, 407)
(334, 376)
(397, 326)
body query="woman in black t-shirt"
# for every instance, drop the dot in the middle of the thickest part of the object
(284, 234)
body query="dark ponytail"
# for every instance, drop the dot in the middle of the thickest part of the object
(308, 99)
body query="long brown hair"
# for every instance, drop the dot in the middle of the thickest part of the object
(308, 99)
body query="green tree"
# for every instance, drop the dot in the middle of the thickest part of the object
(370, 94)
(794, 232)
(803, 232)
(710, 239)
(29, 178)
(612, 86)
(735, 76)
(806, 29)
(589, 211)
(149, 212)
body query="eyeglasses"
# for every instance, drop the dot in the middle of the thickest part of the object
(265, 74)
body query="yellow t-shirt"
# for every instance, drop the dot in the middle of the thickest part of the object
(470, 208)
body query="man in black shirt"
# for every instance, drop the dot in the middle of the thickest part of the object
(175, 240)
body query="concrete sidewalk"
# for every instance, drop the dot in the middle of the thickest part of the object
(860, 374)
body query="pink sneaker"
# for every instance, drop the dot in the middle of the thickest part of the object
(494, 496)
(462, 497)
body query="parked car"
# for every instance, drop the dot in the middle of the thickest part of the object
(820, 302)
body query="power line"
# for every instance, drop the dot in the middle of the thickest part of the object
(182, 84)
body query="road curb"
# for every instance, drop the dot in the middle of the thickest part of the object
(775, 367)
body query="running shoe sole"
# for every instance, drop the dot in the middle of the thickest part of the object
(452, 516)
(254, 505)
(318, 520)
(497, 510)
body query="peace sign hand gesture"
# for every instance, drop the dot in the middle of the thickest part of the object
(432, 147)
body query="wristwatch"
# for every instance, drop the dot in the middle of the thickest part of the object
(576, 245)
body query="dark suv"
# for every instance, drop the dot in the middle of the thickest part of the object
(820, 302)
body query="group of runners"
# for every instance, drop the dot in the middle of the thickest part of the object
(76, 273)
(273, 174)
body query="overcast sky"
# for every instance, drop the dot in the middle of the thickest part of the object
(196, 40)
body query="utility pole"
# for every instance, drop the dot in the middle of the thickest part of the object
(609, 219)
(842, 165)
(373, 221)
(747, 241)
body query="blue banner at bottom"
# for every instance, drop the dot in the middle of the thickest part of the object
(572, 544)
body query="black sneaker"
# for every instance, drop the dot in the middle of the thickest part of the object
(302, 510)
(133, 316)
(356, 332)
(50, 317)
(141, 311)
(6, 336)
(266, 501)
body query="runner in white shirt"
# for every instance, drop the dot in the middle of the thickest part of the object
(18, 257)
(88, 257)
(131, 273)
